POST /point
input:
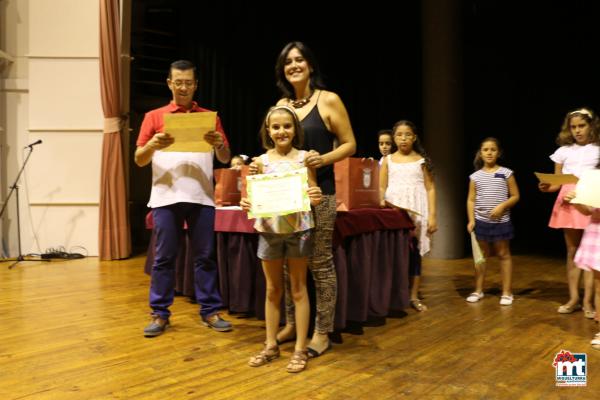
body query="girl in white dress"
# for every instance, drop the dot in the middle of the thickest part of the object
(406, 182)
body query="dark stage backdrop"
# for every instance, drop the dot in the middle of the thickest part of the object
(525, 65)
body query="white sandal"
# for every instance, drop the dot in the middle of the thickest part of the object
(475, 297)
(506, 300)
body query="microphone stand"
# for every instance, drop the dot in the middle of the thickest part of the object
(15, 188)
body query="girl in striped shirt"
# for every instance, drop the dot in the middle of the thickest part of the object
(493, 191)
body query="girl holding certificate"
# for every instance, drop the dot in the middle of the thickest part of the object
(406, 182)
(578, 151)
(284, 238)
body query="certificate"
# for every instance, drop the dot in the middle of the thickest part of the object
(556, 179)
(188, 129)
(278, 194)
(587, 191)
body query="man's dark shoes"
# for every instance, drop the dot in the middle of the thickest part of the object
(217, 323)
(156, 327)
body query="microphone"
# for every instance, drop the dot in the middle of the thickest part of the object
(39, 141)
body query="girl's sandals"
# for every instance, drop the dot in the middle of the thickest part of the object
(475, 297)
(298, 361)
(418, 305)
(567, 309)
(268, 354)
(589, 313)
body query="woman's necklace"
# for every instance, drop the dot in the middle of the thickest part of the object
(301, 102)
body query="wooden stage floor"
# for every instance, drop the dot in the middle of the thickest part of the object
(73, 330)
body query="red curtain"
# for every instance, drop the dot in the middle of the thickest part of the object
(114, 232)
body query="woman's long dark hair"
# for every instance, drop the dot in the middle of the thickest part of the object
(316, 80)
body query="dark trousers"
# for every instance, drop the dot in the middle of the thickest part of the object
(168, 228)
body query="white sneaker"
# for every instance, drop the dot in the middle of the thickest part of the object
(506, 300)
(475, 297)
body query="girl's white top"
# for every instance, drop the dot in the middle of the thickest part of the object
(406, 189)
(576, 158)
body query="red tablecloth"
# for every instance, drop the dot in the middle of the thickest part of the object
(233, 221)
(364, 220)
(347, 223)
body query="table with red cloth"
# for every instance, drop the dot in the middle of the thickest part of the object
(371, 257)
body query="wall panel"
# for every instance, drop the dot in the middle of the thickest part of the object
(64, 28)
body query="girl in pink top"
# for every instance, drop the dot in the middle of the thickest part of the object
(579, 151)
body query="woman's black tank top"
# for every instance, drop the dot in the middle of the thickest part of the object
(317, 137)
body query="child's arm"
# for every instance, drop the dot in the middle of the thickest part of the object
(513, 193)
(383, 181)
(314, 191)
(430, 188)
(256, 168)
(471, 206)
(546, 187)
(582, 208)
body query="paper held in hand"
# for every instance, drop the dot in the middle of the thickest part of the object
(587, 191)
(556, 179)
(278, 194)
(188, 129)
(477, 253)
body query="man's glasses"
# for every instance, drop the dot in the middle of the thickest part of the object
(179, 84)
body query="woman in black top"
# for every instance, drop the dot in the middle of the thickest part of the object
(329, 138)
